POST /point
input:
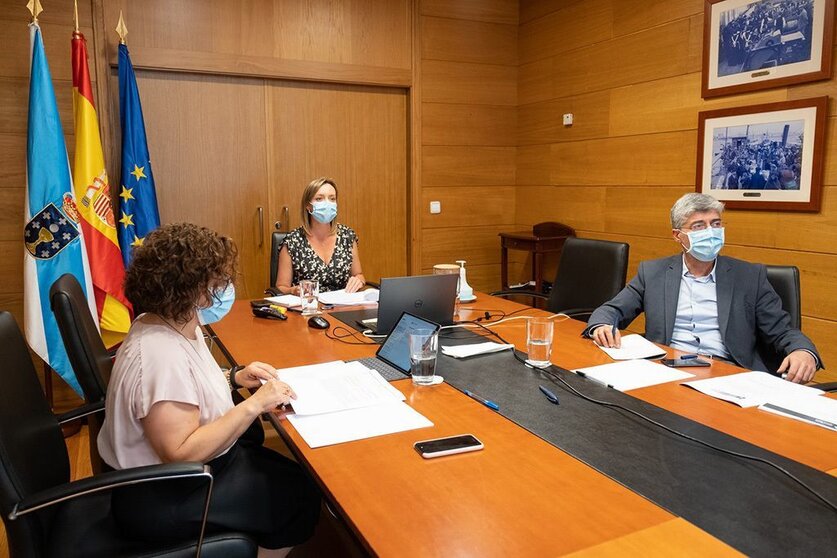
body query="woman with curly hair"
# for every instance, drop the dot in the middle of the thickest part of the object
(169, 401)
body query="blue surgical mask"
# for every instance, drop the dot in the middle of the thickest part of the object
(324, 211)
(222, 301)
(706, 244)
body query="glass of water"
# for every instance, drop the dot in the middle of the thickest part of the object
(309, 289)
(539, 341)
(423, 346)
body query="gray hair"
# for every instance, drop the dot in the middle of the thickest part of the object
(693, 203)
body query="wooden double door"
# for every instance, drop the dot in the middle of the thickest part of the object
(234, 154)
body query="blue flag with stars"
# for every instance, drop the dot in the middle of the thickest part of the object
(53, 240)
(138, 213)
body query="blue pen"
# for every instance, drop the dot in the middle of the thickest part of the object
(613, 331)
(487, 402)
(549, 395)
(687, 357)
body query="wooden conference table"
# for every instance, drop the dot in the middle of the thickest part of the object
(520, 496)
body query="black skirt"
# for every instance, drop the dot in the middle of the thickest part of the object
(256, 491)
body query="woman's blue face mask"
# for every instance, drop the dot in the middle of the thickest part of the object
(222, 301)
(324, 211)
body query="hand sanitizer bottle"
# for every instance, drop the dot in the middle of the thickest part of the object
(466, 293)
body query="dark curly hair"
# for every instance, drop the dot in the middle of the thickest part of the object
(178, 266)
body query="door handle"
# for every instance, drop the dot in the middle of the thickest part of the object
(285, 219)
(261, 227)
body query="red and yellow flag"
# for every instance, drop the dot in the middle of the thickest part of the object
(92, 190)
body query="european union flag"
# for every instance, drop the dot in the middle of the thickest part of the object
(53, 240)
(138, 213)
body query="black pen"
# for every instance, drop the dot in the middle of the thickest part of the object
(549, 395)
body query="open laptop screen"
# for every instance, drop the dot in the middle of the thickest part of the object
(396, 349)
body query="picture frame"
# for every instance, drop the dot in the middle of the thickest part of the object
(750, 45)
(767, 156)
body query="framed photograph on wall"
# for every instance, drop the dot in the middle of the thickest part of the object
(766, 156)
(759, 44)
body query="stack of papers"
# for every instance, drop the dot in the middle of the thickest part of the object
(288, 301)
(819, 411)
(342, 298)
(632, 347)
(465, 351)
(340, 402)
(632, 374)
(751, 389)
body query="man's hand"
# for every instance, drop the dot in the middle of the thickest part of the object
(604, 336)
(798, 367)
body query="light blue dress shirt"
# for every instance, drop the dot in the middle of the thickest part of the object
(696, 326)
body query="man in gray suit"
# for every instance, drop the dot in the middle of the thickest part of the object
(704, 303)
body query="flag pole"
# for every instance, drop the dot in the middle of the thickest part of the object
(75, 16)
(35, 8)
(121, 29)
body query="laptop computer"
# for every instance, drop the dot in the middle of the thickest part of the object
(392, 360)
(431, 297)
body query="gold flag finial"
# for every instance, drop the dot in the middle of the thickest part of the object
(121, 29)
(75, 15)
(35, 8)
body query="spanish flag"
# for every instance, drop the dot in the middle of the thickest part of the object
(92, 190)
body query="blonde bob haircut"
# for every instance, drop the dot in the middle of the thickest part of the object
(308, 195)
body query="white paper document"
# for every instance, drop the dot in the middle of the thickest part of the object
(464, 351)
(342, 298)
(357, 424)
(632, 374)
(337, 386)
(632, 347)
(820, 411)
(288, 301)
(750, 389)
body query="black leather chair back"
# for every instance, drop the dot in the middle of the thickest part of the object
(785, 281)
(590, 273)
(87, 353)
(276, 241)
(33, 456)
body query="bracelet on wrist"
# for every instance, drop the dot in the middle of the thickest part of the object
(231, 377)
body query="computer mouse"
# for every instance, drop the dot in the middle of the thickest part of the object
(318, 322)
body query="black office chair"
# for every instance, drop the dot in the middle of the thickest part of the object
(590, 273)
(785, 281)
(86, 352)
(47, 515)
(277, 239)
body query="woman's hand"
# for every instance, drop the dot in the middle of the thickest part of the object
(354, 284)
(271, 395)
(250, 375)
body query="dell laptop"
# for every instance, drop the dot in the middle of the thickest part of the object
(431, 297)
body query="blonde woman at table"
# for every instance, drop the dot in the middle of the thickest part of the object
(168, 401)
(321, 249)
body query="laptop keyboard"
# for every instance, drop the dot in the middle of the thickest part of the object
(390, 373)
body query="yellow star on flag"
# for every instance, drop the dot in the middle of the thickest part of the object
(137, 241)
(138, 172)
(126, 219)
(126, 193)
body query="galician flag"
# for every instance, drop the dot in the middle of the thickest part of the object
(92, 190)
(53, 238)
(138, 198)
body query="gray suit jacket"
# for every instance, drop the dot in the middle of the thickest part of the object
(748, 308)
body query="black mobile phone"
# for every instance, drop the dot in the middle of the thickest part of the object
(260, 303)
(447, 446)
(684, 362)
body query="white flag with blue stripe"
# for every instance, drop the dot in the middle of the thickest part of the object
(53, 240)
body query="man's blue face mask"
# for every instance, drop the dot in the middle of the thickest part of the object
(705, 245)
(222, 301)
(324, 211)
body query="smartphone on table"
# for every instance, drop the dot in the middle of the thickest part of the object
(438, 447)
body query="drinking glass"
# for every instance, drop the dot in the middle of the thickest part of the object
(423, 347)
(308, 291)
(539, 341)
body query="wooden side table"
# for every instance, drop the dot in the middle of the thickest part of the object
(544, 238)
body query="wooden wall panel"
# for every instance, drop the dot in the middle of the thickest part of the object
(474, 125)
(462, 166)
(614, 175)
(496, 11)
(478, 84)
(468, 41)
(469, 84)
